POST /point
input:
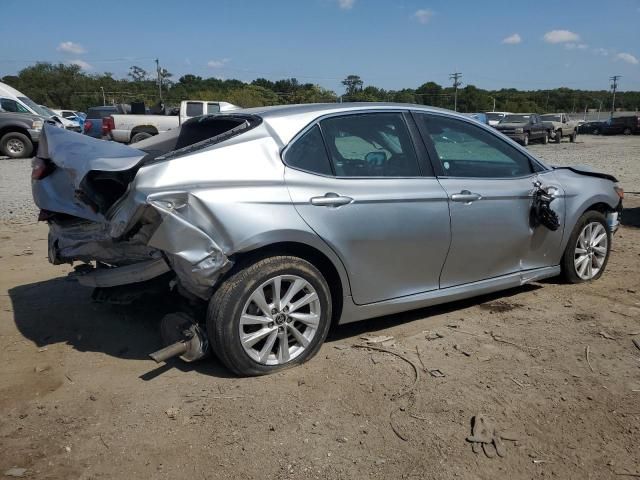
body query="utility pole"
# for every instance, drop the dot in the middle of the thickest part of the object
(159, 79)
(494, 104)
(104, 101)
(455, 76)
(614, 87)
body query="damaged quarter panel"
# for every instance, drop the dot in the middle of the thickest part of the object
(216, 203)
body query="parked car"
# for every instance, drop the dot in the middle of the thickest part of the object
(128, 128)
(626, 125)
(524, 127)
(282, 219)
(495, 117)
(66, 123)
(12, 100)
(19, 133)
(593, 128)
(481, 117)
(563, 126)
(93, 122)
(73, 116)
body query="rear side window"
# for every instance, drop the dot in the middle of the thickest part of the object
(308, 153)
(370, 145)
(213, 108)
(194, 109)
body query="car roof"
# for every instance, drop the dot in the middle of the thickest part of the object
(288, 120)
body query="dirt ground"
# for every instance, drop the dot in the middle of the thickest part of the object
(552, 365)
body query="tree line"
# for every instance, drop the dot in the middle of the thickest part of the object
(67, 86)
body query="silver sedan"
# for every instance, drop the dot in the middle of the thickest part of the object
(280, 220)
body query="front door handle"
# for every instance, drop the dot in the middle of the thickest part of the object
(331, 200)
(465, 196)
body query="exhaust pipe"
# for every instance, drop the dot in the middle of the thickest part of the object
(183, 337)
(164, 354)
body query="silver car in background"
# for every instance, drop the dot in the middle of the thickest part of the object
(282, 219)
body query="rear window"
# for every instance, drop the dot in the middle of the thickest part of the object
(94, 113)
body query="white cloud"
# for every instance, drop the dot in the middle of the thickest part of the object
(82, 64)
(561, 36)
(423, 15)
(627, 57)
(512, 39)
(346, 4)
(217, 63)
(71, 47)
(601, 51)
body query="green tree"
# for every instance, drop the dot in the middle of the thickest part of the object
(352, 84)
(137, 74)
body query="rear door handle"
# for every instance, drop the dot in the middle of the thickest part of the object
(465, 196)
(331, 200)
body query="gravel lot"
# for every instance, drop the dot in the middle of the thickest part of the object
(552, 366)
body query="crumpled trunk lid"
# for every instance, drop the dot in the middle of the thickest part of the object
(86, 175)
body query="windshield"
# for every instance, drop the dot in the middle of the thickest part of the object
(35, 107)
(48, 111)
(551, 118)
(516, 119)
(495, 116)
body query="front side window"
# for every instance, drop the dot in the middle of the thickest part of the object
(370, 145)
(213, 108)
(466, 150)
(9, 105)
(308, 153)
(194, 109)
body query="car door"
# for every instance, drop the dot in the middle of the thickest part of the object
(489, 184)
(358, 181)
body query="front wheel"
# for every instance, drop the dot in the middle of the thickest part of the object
(587, 251)
(545, 139)
(272, 314)
(573, 136)
(525, 139)
(627, 131)
(558, 136)
(16, 145)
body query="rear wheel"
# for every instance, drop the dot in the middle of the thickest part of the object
(627, 131)
(270, 315)
(545, 139)
(525, 140)
(16, 145)
(137, 137)
(573, 136)
(596, 131)
(558, 136)
(587, 251)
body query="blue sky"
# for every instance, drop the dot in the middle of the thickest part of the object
(390, 44)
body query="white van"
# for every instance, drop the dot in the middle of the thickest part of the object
(12, 100)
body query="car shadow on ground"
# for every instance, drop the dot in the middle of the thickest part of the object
(631, 217)
(62, 311)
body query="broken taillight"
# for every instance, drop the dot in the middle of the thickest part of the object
(41, 168)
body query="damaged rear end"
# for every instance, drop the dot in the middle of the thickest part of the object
(109, 207)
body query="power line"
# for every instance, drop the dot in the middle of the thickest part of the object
(614, 87)
(455, 76)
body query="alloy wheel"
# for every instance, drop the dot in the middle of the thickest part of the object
(279, 320)
(591, 250)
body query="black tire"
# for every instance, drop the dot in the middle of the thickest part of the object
(572, 137)
(139, 136)
(567, 265)
(227, 304)
(545, 139)
(596, 131)
(627, 131)
(558, 136)
(525, 140)
(16, 145)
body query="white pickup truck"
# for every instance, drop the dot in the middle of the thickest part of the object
(130, 128)
(562, 126)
